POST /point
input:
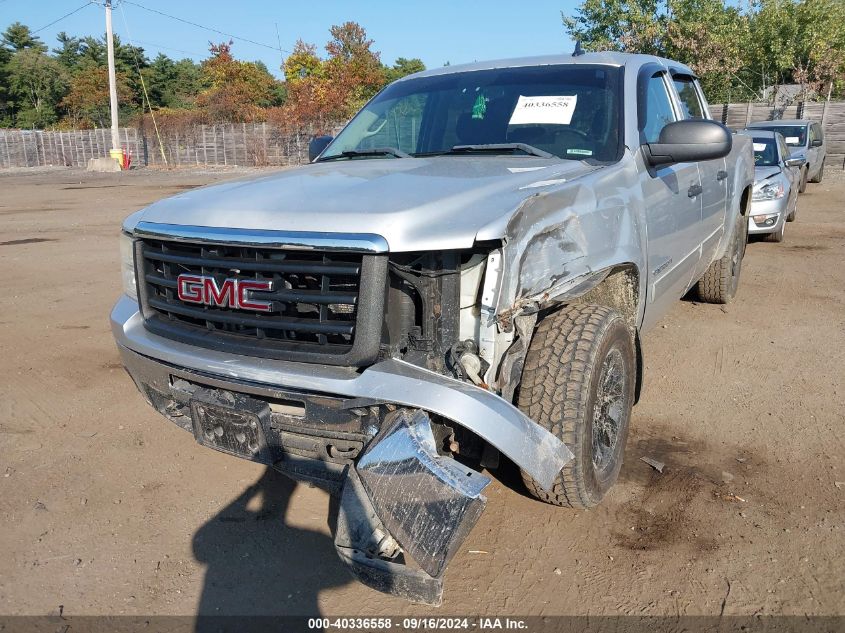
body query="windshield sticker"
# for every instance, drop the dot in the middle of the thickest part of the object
(554, 110)
(759, 147)
(580, 152)
(479, 108)
(792, 140)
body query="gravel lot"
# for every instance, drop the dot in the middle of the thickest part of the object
(107, 508)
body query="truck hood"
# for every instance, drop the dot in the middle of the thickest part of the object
(414, 203)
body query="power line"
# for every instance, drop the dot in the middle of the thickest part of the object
(66, 15)
(207, 28)
(170, 48)
(143, 84)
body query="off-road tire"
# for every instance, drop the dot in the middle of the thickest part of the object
(802, 187)
(721, 280)
(820, 175)
(570, 365)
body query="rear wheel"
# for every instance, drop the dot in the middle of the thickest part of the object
(721, 280)
(578, 383)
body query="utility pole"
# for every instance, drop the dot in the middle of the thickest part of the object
(115, 133)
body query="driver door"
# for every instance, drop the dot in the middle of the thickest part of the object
(672, 196)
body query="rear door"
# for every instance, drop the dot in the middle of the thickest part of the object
(672, 198)
(714, 173)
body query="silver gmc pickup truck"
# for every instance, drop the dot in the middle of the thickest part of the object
(462, 275)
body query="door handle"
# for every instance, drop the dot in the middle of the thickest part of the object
(695, 190)
(721, 174)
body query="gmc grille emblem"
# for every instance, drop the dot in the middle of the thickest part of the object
(232, 293)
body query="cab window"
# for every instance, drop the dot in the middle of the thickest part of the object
(658, 108)
(691, 107)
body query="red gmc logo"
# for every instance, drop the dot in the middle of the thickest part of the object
(232, 293)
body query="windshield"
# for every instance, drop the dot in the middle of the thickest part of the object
(570, 111)
(765, 152)
(795, 135)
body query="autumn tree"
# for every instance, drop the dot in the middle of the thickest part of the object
(237, 91)
(325, 92)
(87, 101)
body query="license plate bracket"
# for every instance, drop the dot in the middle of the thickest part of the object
(232, 423)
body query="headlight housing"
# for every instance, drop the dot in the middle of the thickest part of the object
(771, 191)
(127, 265)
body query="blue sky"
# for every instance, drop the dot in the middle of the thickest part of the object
(435, 30)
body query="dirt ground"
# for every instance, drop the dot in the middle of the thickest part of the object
(107, 508)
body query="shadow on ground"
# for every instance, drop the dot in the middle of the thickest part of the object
(256, 564)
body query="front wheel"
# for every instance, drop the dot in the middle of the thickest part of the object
(721, 279)
(820, 175)
(776, 236)
(578, 383)
(803, 186)
(793, 213)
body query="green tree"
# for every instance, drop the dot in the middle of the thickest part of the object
(37, 83)
(713, 39)
(736, 49)
(633, 26)
(6, 106)
(18, 37)
(173, 84)
(68, 51)
(404, 67)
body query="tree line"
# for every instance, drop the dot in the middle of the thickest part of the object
(67, 87)
(741, 51)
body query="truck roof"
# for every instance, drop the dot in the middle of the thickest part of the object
(779, 122)
(608, 58)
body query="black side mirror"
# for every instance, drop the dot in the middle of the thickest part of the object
(816, 142)
(317, 145)
(689, 141)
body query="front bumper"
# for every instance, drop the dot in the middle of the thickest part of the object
(776, 207)
(364, 434)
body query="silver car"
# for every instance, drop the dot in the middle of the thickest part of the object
(777, 178)
(805, 139)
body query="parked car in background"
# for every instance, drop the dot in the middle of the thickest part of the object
(805, 139)
(777, 178)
